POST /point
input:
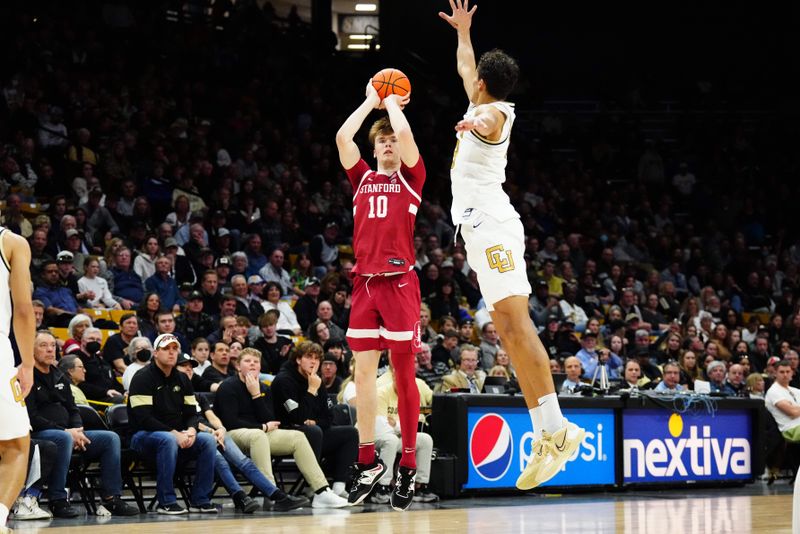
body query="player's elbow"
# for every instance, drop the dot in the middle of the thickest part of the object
(342, 138)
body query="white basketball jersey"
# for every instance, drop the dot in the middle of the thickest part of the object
(5, 292)
(479, 170)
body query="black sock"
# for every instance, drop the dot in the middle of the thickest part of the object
(277, 495)
(322, 490)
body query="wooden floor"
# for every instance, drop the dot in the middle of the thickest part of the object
(677, 512)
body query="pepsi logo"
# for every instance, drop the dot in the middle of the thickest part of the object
(491, 447)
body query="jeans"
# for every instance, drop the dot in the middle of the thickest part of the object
(164, 448)
(233, 456)
(104, 446)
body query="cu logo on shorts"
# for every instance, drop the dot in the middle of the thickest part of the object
(16, 390)
(500, 259)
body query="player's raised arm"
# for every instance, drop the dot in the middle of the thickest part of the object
(348, 149)
(461, 20)
(487, 122)
(24, 323)
(409, 152)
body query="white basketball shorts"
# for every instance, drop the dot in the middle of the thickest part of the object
(495, 250)
(14, 421)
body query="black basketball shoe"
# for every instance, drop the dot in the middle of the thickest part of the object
(403, 493)
(364, 479)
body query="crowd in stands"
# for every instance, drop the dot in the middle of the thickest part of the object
(189, 185)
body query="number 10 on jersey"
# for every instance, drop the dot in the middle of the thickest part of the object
(378, 207)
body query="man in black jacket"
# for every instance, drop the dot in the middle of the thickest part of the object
(54, 417)
(244, 406)
(101, 383)
(301, 402)
(194, 322)
(163, 418)
(306, 306)
(114, 349)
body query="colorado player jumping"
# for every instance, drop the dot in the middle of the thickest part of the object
(386, 295)
(495, 241)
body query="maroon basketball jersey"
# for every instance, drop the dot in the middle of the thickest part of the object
(384, 211)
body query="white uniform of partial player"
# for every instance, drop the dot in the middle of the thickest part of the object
(13, 414)
(492, 232)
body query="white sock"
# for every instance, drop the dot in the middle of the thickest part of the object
(338, 487)
(3, 514)
(536, 420)
(550, 412)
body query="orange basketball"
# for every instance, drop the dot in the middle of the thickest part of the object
(391, 82)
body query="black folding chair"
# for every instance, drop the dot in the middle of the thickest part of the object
(117, 420)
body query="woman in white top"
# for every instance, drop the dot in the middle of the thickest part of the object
(287, 321)
(145, 263)
(97, 285)
(139, 352)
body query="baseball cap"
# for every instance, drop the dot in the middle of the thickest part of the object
(329, 358)
(195, 295)
(312, 281)
(170, 242)
(71, 232)
(65, 256)
(467, 320)
(222, 232)
(332, 224)
(773, 360)
(186, 286)
(588, 333)
(164, 340)
(447, 263)
(185, 358)
(552, 318)
(255, 279)
(541, 283)
(631, 317)
(223, 260)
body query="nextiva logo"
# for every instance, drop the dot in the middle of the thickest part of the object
(500, 443)
(663, 446)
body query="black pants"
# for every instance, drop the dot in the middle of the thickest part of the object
(336, 445)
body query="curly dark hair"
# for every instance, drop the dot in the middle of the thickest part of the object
(499, 72)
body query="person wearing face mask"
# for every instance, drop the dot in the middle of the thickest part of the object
(138, 352)
(101, 383)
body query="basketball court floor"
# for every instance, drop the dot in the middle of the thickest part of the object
(753, 508)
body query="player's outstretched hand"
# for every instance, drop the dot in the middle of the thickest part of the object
(461, 19)
(470, 124)
(372, 96)
(401, 101)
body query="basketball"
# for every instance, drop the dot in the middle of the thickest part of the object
(391, 82)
